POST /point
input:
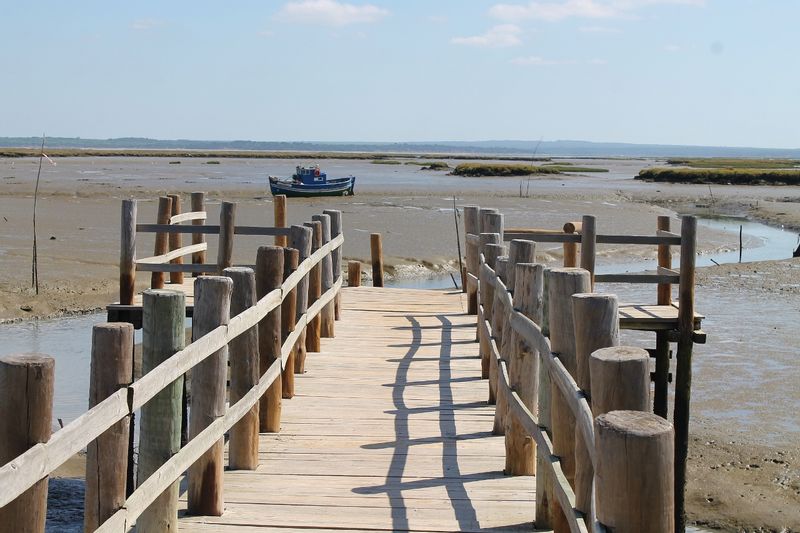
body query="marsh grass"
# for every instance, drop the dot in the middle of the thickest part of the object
(721, 176)
(734, 163)
(385, 162)
(501, 169)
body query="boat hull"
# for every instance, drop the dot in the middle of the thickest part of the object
(338, 187)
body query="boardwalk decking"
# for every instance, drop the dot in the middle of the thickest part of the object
(389, 431)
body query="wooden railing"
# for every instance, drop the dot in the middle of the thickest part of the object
(37, 463)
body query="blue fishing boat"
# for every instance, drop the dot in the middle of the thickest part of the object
(311, 181)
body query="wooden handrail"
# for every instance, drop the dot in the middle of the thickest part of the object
(41, 460)
(189, 215)
(660, 238)
(210, 229)
(169, 256)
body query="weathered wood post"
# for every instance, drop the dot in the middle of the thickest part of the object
(519, 251)
(524, 370)
(328, 314)
(571, 248)
(485, 294)
(683, 370)
(562, 284)
(198, 200)
(354, 273)
(376, 251)
(499, 320)
(269, 276)
(244, 362)
(291, 259)
(26, 412)
(588, 245)
(161, 245)
(492, 252)
(635, 489)
(471, 232)
(313, 331)
(212, 308)
(620, 379)
(127, 253)
(107, 456)
(175, 240)
(279, 204)
(483, 225)
(596, 318)
(493, 223)
(336, 230)
(160, 431)
(660, 401)
(300, 239)
(227, 215)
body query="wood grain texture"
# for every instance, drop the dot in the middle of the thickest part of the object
(161, 245)
(175, 239)
(269, 276)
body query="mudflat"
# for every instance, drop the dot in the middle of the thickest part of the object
(744, 457)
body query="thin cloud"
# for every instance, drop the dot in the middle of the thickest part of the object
(672, 48)
(502, 36)
(590, 9)
(598, 29)
(537, 61)
(146, 24)
(330, 13)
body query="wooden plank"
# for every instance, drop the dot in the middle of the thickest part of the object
(165, 258)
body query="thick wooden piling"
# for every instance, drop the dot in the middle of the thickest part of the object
(683, 370)
(596, 318)
(571, 248)
(562, 284)
(313, 331)
(127, 253)
(661, 378)
(471, 232)
(492, 252)
(244, 363)
(175, 240)
(288, 321)
(212, 305)
(328, 313)
(635, 489)
(492, 222)
(227, 216)
(198, 200)
(376, 252)
(107, 456)
(269, 276)
(279, 204)
(161, 245)
(26, 412)
(620, 379)
(160, 431)
(588, 245)
(354, 273)
(300, 239)
(519, 251)
(524, 370)
(336, 230)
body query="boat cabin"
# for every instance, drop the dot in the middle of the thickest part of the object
(309, 175)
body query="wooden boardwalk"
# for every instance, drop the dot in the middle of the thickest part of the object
(389, 431)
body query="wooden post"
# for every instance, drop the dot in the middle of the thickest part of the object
(562, 284)
(498, 322)
(471, 221)
(471, 232)
(198, 204)
(269, 276)
(493, 223)
(336, 230)
(635, 489)
(127, 253)
(683, 370)
(244, 363)
(519, 251)
(227, 215)
(26, 412)
(313, 330)
(376, 251)
(491, 252)
(482, 212)
(501, 268)
(162, 239)
(660, 400)
(596, 318)
(291, 259)
(524, 370)
(620, 379)
(354, 273)
(279, 203)
(175, 240)
(546, 503)
(163, 334)
(107, 456)
(328, 314)
(571, 248)
(300, 239)
(212, 308)
(588, 245)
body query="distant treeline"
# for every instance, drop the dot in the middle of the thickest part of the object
(721, 176)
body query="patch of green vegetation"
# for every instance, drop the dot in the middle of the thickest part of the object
(430, 165)
(385, 162)
(174, 162)
(571, 168)
(721, 176)
(726, 162)
(212, 162)
(501, 169)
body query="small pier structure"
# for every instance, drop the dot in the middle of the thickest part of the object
(303, 404)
